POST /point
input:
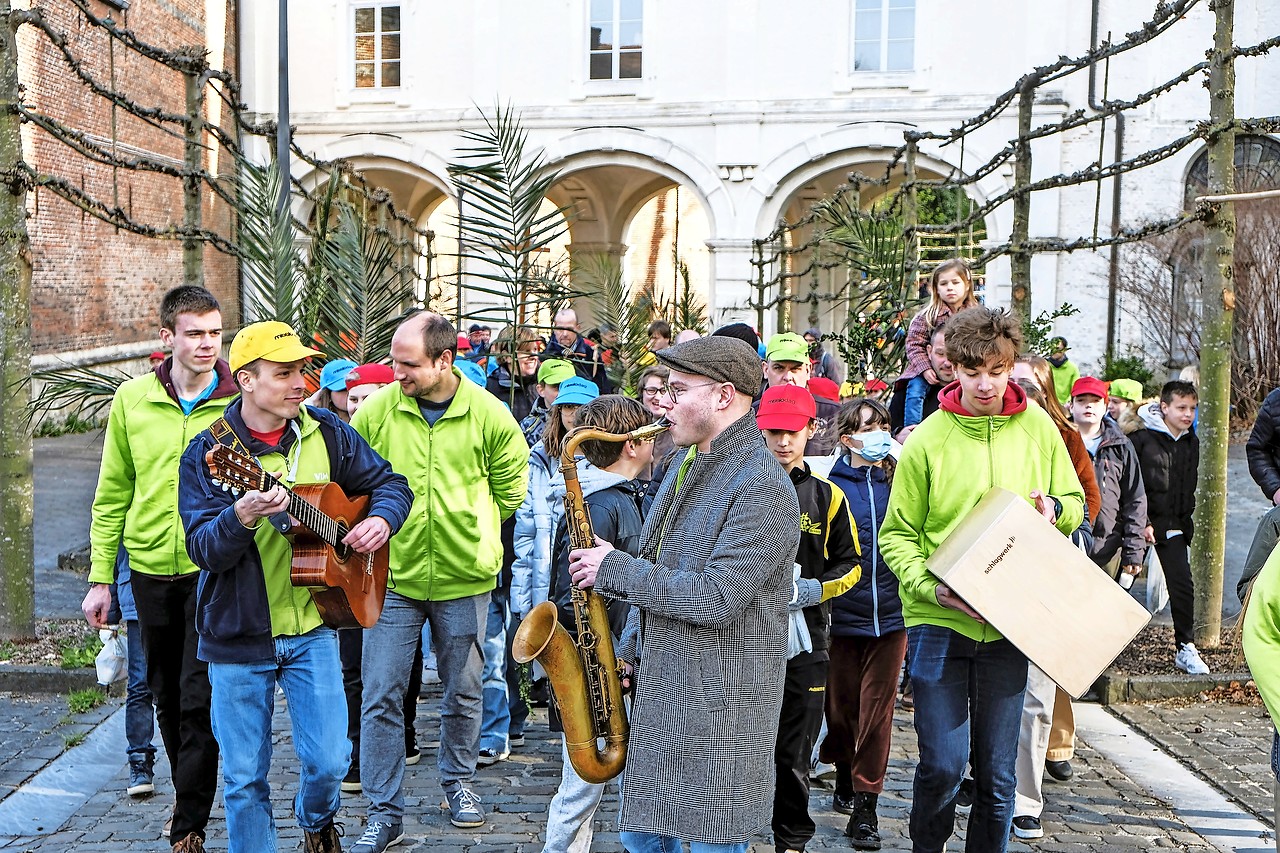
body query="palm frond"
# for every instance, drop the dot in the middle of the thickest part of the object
(275, 287)
(80, 391)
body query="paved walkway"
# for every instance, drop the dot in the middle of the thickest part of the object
(1100, 809)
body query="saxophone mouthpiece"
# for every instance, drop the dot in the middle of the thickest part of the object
(653, 430)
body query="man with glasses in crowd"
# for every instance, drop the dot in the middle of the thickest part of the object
(711, 586)
(566, 342)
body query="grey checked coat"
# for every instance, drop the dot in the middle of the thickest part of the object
(708, 632)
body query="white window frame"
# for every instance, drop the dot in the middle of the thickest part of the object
(348, 92)
(878, 78)
(634, 86)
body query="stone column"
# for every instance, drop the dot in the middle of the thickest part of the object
(732, 284)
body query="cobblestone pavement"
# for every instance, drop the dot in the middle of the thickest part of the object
(1228, 745)
(1099, 809)
(33, 730)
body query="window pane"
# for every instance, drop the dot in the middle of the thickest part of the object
(630, 33)
(900, 56)
(866, 56)
(601, 66)
(866, 26)
(391, 74)
(602, 36)
(902, 4)
(869, 5)
(364, 47)
(364, 75)
(601, 10)
(364, 20)
(391, 47)
(629, 65)
(391, 19)
(902, 24)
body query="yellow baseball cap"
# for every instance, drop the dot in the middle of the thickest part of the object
(787, 346)
(270, 340)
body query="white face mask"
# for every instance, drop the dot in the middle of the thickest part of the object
(875, 445)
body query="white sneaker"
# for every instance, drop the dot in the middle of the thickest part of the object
(1189, 661)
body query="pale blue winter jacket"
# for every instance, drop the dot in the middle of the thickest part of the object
(536, 522)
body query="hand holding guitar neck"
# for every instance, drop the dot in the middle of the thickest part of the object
(254, 504)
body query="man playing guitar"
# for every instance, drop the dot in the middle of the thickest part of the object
(256, 629)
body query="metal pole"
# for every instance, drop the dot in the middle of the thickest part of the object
(282, 117)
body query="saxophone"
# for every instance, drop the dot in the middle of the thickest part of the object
(586, 677)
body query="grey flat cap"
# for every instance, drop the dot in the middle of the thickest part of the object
(718, 358)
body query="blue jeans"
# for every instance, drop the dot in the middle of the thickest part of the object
(457, 629)
(964, 689)
(648, 842)
(307, 668)
(496, 724)
(139, 710)
(913, 401)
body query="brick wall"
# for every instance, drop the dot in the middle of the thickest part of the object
(95, 286)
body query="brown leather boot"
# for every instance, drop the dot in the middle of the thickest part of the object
(191, 843)
(324, 841)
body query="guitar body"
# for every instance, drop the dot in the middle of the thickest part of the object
(349, 589)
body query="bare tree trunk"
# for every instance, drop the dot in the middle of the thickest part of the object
(17, 558)
(1019, 256)
(1218, 319)
(910, 217)
(192, 249)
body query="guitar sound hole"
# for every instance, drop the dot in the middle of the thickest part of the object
(342, 551)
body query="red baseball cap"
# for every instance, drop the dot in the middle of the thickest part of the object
(464, 343)
(875, 385)
(820, 386)
(1089, 385)
(786, 407)
(370, 374)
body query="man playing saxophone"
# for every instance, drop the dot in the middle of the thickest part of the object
(708, 630)
(607, 477)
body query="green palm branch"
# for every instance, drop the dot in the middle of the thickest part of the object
(502, 188)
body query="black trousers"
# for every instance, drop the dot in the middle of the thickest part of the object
(350, 650)
(179, 681)
(1176, 562)
(803, 698)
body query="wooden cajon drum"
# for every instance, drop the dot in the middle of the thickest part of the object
(1030, 583)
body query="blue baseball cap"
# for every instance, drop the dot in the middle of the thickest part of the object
(471, 370)
(576, 391)
(334, 375)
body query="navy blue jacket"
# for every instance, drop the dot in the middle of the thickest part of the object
(233, 619)
(872, 608)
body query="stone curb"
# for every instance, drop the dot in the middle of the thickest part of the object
(45, 679)
(1115, 688)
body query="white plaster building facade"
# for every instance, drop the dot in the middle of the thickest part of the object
(751, 107)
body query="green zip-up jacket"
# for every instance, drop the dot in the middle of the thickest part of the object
(947, 465)
(137, 498)
(468, 473)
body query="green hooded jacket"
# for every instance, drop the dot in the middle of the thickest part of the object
(947, 465)
(468, 473)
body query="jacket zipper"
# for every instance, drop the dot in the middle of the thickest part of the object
(875, 546)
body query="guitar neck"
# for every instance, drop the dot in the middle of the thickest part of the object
(308, 514)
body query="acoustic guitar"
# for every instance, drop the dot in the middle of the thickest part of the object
(348, 588)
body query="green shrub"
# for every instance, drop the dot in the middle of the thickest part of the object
(80, 652)
(1130, 366)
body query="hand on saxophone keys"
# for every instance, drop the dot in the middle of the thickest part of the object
(584, 563)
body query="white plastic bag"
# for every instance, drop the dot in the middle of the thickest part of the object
(798, 639)
(113, 658)
(1157, 589)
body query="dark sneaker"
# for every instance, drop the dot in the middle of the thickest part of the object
(1060, 770)
(351, 782)
(1026, 826)
(412, 756)
(491, 756)
(842, 804)
(464, 808)
(141, 781)
(964, 798)
(326, 840)
(515, 740)
(378, 836)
